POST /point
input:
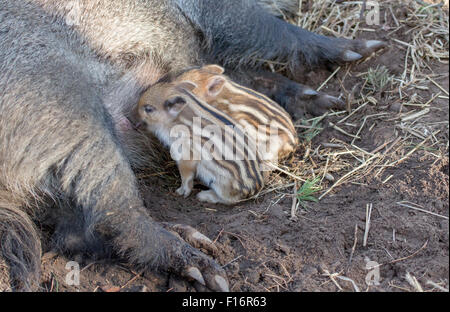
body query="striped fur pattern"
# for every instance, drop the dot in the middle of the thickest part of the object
(227, 161)
(277, 137)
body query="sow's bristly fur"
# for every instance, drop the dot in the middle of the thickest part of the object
(280, 8)
(64, 91)
(46, 73)
(244, 33)
(59, 141)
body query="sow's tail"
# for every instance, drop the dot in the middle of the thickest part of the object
(20, 247)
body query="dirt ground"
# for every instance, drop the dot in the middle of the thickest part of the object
(322, 249)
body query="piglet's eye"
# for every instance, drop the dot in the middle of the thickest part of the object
(148, 109)
(174, 101)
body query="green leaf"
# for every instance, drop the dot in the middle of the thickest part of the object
(307, 189)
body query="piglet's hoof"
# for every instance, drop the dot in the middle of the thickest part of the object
(184, 191)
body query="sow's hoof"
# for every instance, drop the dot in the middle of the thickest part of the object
(340, 50)
(354, 50)
(307, 100)
(192, 237)
(189, 262)
(295, 98)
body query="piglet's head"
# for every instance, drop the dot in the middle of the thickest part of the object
(209, 79)
(162, 103)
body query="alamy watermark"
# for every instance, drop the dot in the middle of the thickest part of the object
(373, 276)
(73, 276)
(373, 13)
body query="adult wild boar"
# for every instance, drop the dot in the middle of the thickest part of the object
(69, 72)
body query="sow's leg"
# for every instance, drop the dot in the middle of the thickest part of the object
(242, 34)
(297, 99)
(61, 136)
(97, 174)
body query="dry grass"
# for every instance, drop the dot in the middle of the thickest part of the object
(159, 164)
(341, 162)
(338, 162)
(382, 100)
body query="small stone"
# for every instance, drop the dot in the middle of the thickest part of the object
(396, 107)
(329, 177)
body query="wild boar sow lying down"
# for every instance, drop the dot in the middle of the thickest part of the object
(70, 71)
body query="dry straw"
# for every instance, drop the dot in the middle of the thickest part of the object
(403, 106)
(346, 161)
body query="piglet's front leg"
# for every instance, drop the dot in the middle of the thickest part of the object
(187, 170)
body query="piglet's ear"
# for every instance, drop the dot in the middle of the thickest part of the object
(216, 69)
(175, 105)
(215, 85)
(187, 85)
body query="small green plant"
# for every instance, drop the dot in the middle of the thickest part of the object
(423, 148)
(314, 130)
(377, 79)
(55, 283)
(305, 193)
(428, 10)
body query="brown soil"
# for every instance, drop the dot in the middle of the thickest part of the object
(263, 250)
